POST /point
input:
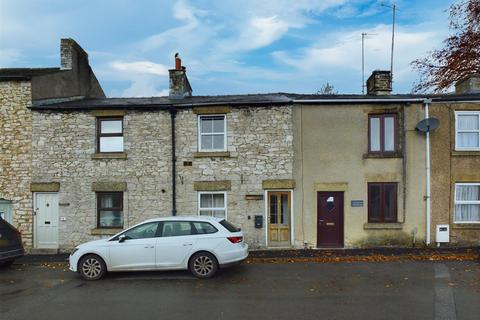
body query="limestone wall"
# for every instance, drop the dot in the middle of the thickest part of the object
(259, 142)
(15, 153)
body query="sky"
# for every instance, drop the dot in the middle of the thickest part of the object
(227, 46)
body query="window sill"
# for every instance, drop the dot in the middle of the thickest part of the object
(214, 154)
(473, 226)
(466, 153)
(110, 155)
(105, 231)
(382, 156)
(383, 226)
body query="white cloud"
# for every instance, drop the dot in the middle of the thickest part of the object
(345, 53)
(144, 87)
(140, 67)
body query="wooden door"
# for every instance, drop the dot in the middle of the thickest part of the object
(279, 204)
(329, 219)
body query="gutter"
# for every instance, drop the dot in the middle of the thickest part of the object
(358, 100)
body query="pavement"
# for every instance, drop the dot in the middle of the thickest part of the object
(255, 290)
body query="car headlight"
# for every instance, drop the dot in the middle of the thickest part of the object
(73, 251)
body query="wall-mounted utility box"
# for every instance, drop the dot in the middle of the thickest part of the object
(443, 233)
(258, 221)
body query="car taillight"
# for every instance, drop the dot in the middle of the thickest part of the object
(235, 239)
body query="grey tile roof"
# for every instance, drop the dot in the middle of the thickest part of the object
(24, 73)
(80, 103)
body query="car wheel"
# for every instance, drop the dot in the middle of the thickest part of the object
(92, 267)
(203, 265)
(6, 263)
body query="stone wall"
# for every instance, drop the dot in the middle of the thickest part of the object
(15, 153)
(259, 142)
(260, 146)
(63, 145)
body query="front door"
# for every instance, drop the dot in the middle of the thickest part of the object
(329, 219)
(279, 218)
(46, 220)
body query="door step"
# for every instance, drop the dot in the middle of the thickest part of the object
(44, 251)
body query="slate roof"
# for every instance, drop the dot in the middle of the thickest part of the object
(79, 103)
(8, 74)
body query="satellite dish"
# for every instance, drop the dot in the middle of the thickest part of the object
(428, 124)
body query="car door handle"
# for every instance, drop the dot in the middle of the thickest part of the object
(187, 244)
(146, 247)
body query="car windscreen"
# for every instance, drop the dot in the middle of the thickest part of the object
(230, 227)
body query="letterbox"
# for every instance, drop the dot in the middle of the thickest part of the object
(258, 221)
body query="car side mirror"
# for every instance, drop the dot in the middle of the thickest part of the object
(122, 238)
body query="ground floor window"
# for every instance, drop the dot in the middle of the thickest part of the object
(212, 204)
(110, 209)
(382, 202)
(467, 203)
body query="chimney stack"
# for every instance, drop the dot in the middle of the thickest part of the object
(468, 85)
(379, 83)
(71, 54)
(179, 84)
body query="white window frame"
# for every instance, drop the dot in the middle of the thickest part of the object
(213, 192)
(200, 134)
(475, 113)
(455, 202)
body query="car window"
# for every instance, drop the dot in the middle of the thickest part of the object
(230, 227)
(146, 230)
(176, 228)
(204, 228)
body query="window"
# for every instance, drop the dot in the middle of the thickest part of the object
(109, 134)
(467, 130)
(176, 228)
(230, 227)
(382, 202)
(212, 204)
(212, 133)
(146, 230)
(467, 203)
(204, 228)
(110, 209)
(382, 133)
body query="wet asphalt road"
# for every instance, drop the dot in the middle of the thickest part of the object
(360, 290)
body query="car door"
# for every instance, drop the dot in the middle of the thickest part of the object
(137, 251)
(174, 244)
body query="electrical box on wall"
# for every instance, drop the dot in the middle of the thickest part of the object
(258, 221)
(443, 233)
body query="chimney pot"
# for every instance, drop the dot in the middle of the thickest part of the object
(379, 83)
(178, 62)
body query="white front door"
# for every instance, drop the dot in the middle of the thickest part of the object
(46, 220)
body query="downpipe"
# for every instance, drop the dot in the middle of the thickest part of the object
(427, 175)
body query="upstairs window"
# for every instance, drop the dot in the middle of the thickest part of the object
(467, 203)
(382, 202)
(212, 133)
(467, 130)
(382, 134)
(109, 134)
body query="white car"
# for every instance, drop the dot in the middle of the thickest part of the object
(200, 244)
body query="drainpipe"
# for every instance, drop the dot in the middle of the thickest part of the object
(427, 173)
(173, 113)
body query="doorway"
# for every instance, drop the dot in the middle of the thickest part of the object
(279, 218)
(330, 219)
(46, 220)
